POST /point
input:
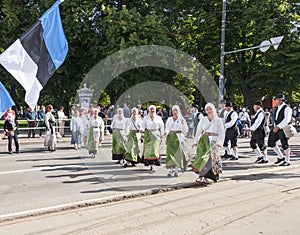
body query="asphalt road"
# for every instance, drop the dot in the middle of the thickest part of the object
(41, 192)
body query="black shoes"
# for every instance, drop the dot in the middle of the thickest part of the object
(234, 158)
(279, 160)
(285, 164)
(259, 159)
(263, 161)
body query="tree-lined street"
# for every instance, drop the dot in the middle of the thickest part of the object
(54, 186)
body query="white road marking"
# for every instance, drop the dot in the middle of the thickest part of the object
(41, 168)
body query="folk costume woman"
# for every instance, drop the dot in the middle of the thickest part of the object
(96, 128)
(120, 131)
(50, 137)
(134, 136)
(209, 141)
(176, 128)
(153, 127)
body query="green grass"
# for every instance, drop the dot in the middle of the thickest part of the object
(22, 123)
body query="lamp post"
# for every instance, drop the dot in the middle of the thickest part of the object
(264, 46)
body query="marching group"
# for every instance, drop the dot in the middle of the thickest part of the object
(137, 138)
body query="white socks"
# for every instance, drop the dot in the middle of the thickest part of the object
(287, 155)
(228, 151)
(258, 152)
(265, 155)
(235, 152)
(278, 152)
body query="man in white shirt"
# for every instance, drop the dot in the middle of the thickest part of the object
(282, 116)
(258, 129)
(231, 132)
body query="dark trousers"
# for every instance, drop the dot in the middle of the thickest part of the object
(15, 137)
(275, 136)
(258, 141)
(31, 132)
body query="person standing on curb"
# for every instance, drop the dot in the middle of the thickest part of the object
(153, 127)
(231, 132)
(50, 137)
(176, 128)
(209, 140)
(282, 117)
(259, 132)
(61, 121)
(11, 129)
(76, 127)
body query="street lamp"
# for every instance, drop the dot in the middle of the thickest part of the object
(264, 46)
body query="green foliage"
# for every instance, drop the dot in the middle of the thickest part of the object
(97, 29)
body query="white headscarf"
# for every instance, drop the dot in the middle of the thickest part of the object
(179, 114)
(136, 110)
(122, 112)
(213, 108)
(152, 106)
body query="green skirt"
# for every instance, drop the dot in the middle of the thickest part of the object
(92, 145)
(151, 148)
(132, 148)
(118, 146)
(174, 152)
(203, 164)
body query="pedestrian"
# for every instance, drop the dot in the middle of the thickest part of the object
(119, 139)
(209, 140)
(76, 127)
(11, 129)
(153, 127)
(40, 118)
(30, 116)
(86, 126)
(96, 127)
(13, 113)
(61, 120)
(222, 110)
(126, 111)
(282, 116)
(231, 132)
(176, 129)
(134, 138)
(259, 132)
(104, 118)
(196, 117)
(50, 137)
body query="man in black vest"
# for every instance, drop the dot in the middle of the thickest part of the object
(258, 129)
(231, 133)
(282, 117)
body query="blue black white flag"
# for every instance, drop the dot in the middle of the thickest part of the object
(37, 54)
(5, 100)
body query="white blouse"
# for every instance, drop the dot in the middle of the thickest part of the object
(153, 124)
(135, 125)
(176, 125)
(215, 126)
(98, 122)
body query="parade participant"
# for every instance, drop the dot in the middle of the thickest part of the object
(96, 127)
(76, 127)
(231, 132)
(258, 129)
(153, 126)
(209, 140)
(50, 137)
(134, 137)
(86, 126)
(120, 130)
(245, 120)
(282, 117)
(176, 128)
(11, 129)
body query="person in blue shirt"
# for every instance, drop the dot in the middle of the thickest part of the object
(30, 116)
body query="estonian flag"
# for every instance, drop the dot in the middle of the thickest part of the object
(34, 57)
(5, 100)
